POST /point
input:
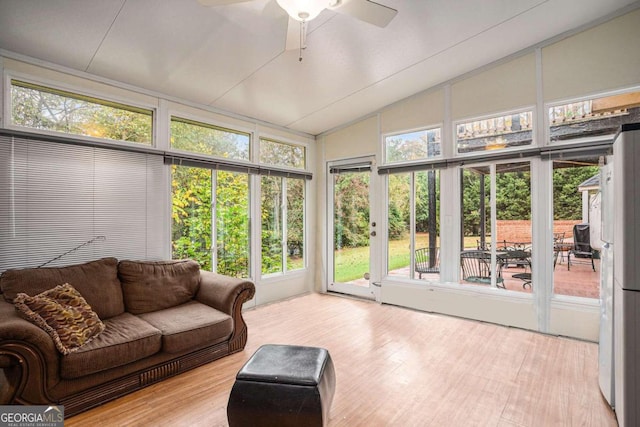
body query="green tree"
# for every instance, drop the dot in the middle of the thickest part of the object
(79, 115)
(191, 215)
(471, 212)
(399, 207)
(567, 201)
(272, 231)
(204, 139)
(295, 220)
(351, 206)
(232, 223)
(423, 213)
(513, 195)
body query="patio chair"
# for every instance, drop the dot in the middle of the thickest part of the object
(526, 279)
(425, 264)
(582, 249)
(558, 247)
(483, 247)
(524, 261)
(476, 268)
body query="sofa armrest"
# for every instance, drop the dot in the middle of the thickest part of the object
(222, 292)
(227, 294)
(25, 345)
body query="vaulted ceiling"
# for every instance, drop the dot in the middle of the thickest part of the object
(233, 58)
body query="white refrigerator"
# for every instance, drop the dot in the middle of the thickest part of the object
(605, 348)
(625, 249)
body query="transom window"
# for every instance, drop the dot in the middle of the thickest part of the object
(282, 154)
(416, 145)
(44, 108)
(591, 118)
(203, 138)
(495, 133)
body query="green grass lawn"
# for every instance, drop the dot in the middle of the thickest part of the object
(351, 263)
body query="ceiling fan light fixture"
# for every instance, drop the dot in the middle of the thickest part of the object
(303, 10)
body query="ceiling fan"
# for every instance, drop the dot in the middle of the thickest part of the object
(302, 11)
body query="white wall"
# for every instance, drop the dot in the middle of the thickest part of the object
(603, 58)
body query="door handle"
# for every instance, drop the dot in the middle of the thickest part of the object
(373, 234)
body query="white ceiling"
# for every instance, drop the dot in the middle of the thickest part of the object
(233, 58)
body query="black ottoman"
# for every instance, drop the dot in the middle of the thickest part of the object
(283, 385)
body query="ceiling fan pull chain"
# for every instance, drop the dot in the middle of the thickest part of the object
(302, 38)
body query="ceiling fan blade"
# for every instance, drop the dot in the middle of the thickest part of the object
(219, 2)
(367, 11)
(293, 35)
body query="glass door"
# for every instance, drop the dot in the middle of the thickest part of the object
(351, 228)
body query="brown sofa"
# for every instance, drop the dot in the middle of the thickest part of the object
(160, 318)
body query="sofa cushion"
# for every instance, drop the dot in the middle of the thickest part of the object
(63, 314)
(125, 339)
(155, 285)
(97, 282)
(190, 326)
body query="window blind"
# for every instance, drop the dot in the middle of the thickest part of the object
(231, 166)
(57, 197)
(422, 166)
(355, 167)
(573, 152)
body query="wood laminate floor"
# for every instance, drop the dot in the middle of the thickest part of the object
(394, 367)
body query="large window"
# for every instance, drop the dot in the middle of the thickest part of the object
(207, 139)
(496, 241)
(495, 133)
(417, 145)
(414, 225)
(208, 203)
(576, 227)
(282, 207)
(211, 200)
(43, 108)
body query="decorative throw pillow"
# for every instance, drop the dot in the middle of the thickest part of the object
(64, 314)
